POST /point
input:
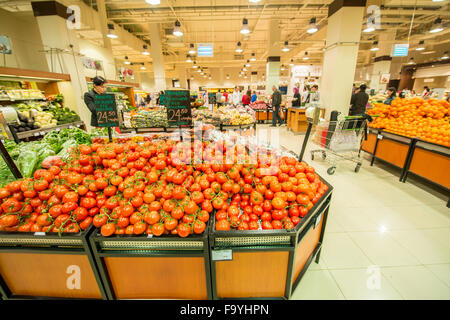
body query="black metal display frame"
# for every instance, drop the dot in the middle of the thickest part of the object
(321, 208)
(49, 243)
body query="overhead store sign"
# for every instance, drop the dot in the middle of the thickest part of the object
(205, 50)
(400, 50)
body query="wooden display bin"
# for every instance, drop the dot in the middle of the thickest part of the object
(143, 267)
(296, 120)
(258, 264)
(48, 266)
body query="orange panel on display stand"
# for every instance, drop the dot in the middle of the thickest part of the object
(157, 277)
(432, 166)
(252, 274)
(392, 151)
(49, 275)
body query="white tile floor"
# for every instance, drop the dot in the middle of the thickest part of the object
(384, 239)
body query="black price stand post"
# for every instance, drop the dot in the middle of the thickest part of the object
(178, 106)
(106, 109)
(9, 161)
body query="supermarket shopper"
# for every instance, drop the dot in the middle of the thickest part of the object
(236, 98)
(219, 98)
(426, 92)
(314, 96)
(297, 100)
(391, 96)
(89, 97)
(246, 98)
(276, 102)
(305, 94)
(225, 95)
(359, 101)
(254, 97)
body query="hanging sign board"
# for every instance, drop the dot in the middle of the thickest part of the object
(400, 50)
(384, 79)
(178, 106)
(106, 109)
(211, 98)
(5, 46)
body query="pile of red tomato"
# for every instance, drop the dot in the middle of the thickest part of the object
(130, 188)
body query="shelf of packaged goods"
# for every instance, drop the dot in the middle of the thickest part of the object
(44, 131)
(241, 259)
(148, 267)
(64, 263)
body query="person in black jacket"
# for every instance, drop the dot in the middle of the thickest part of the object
(89, 97)
(359, 101)
(276, 102)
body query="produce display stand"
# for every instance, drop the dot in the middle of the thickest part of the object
(240, 127)
(421, 158)
(147, 267)
(48, 266)
(388, 147)
(266, 264)
(296, 120)
(39, 133)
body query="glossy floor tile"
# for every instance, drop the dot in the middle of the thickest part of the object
(365, 284)
(417, 282)
(375, 221)
(317, 285)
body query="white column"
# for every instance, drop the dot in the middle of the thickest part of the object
(55, 34)
(157, 57)
(343, 35)
(383, 60)
(273, 60)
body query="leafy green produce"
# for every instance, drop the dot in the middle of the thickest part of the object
(5, 174)
(65, 149)
(43, 154)
(80, 136)
(26, 162)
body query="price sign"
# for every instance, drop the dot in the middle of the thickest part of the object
(106, 109)
(222, 255)
(212, 98)
(178, 107)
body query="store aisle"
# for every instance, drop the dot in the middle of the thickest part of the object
(384, 239)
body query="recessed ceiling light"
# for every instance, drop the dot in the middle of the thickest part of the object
(375, 46)
(145, 52)
(445, 56)
(285, 48)
(253, 57)
(239, 48)
(437, 26)
(126, 60)
(421, 46)
(153, 2)
(306, 56)
(111, 33)
(188, 58)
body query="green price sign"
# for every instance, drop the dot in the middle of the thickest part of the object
(211, 98)
(178, 106)
(106, 109)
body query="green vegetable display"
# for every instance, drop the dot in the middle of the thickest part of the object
(29, 156)
(26, 162)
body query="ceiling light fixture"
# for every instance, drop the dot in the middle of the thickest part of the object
(285, 48)
(111, 33)
(153, 2)
(445, 56)
(437, 26)
(126, 60)
(420, 46)
(195, 65)
(177, 29)
(145, 52)
(254, 1)
(191, 49)
(282, 67)
(228, 77)
(143, 67)
(210, 77)
(239, 48)
(248, 63)
(245, 29)
(306, 56)
(292, 63)
(244, 69)
(438, 0)
(375, 46)
(188, 58)
(312, 26)
(253, 57)
(411, 61)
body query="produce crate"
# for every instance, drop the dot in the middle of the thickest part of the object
(45, 266)
(147, 267)
(266, 264)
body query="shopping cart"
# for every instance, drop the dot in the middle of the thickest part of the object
(339, 140)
